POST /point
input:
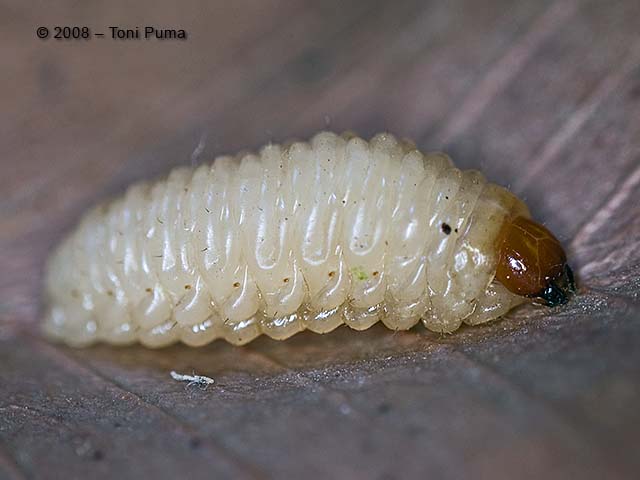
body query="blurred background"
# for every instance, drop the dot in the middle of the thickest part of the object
(543, 96)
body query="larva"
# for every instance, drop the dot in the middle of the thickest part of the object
(300, 236)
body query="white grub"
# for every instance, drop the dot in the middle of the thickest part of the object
(200, 380)
(304, 235)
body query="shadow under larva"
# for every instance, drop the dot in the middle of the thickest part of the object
(302, 236)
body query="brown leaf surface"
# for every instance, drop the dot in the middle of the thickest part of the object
(542, 96)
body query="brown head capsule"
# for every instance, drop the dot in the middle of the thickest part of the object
(532, 263)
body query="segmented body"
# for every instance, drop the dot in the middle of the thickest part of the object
(301, 236)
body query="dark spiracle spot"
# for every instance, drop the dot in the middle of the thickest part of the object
(446, 228)
(384, 408)
(97, 455)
